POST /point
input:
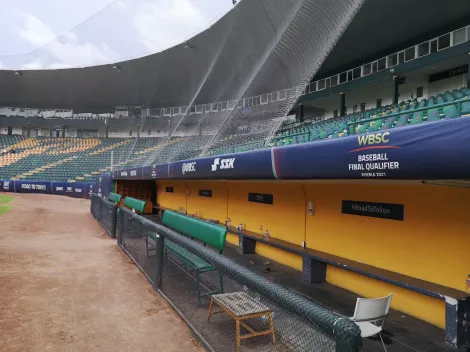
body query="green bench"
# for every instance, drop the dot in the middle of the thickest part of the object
(207, 233)
(115, 198)
(135, 204)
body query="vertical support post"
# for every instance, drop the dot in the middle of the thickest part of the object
(113, 221)
(112, 160)
(396, 90)
(63, 131)
(301, 113)
(106, 132)
(29, 130)
(342, 104)
(159, 252)
(468, 75)
(120, 229)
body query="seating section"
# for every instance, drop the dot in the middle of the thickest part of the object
(67, 159)
(82, 159)
(402, 114)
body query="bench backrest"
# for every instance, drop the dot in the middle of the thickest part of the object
(136, 204)
(211, 234)
(114, 197)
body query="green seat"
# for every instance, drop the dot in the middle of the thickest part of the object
(187, 257)
(451, 112)
(465, 108)
(433, 115)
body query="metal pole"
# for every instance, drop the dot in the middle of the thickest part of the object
(112, 160)
(159, 248)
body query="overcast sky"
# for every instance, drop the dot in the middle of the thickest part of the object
(73, 33)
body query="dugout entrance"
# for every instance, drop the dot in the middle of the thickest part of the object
(144, 190)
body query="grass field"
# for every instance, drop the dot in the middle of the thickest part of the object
(5, 200)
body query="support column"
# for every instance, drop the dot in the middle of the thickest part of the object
(63, 131)
(106, 133)
(300, 113)
(138, 130)
(396, 90)
(397, 81)
(313, 271)
(342, 104)
(28, 134)
(51, 132)
(468, 76)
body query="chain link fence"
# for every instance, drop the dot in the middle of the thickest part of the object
(105, 212)
(257, 315)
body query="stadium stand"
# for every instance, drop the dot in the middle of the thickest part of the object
(310, 93)
(443, 106)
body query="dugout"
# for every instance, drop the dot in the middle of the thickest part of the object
(405, 233)
(144, 190)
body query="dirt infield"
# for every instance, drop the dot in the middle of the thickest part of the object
(66, 286)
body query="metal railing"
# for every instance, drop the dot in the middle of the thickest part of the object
(105, 212)
(299, 324)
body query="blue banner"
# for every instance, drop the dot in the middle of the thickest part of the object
(76, 190)
(431, 150)
(103, 185)
(257, 164)
(32, 186)
(6, 186)
(128, 174)
(434, 150)
(154, 172)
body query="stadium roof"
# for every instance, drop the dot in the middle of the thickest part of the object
(206, 67)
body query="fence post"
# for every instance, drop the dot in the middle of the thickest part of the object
(120, 229)
(113, 222)
(159, 252)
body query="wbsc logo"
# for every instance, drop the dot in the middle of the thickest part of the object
(188, 167)
(223, 164)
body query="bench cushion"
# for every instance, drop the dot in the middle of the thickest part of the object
(138, 205)
(187, 257)
(211, 234)
(114, 197)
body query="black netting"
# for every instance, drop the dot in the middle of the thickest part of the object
(226, 90)
(105, 212)
(298, 324)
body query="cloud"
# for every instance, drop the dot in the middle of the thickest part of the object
(122, 5)
(61, 52)
(164, 23)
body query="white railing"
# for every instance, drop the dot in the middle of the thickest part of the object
(417, 51)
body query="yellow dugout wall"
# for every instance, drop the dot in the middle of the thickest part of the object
(431, 243)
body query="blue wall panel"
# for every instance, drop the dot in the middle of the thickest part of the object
(431, 150)
(76, 190)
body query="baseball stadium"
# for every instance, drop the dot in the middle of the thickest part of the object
(300, 167)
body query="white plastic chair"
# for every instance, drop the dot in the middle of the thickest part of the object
(370, 315)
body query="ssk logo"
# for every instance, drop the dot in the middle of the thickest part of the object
(188, 167)
(223, 164)
(134, 173)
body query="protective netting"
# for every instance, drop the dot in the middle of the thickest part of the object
(297, 324)
(105, 212)
(225, 90)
